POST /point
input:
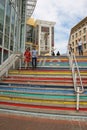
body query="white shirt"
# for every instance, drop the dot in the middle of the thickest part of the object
(80, 43)
(34, 53)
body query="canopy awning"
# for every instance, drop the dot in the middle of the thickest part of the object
(30, 6)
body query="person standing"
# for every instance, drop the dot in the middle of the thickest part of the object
(58, 53)
(27, 57)
(34, 57)
(53, 54)
(80, 47)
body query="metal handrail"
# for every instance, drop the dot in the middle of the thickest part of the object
(81, 87)
(74, 66)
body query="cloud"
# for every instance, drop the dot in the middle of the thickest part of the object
(65, 13)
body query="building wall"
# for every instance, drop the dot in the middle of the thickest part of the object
(79, 31)
(44, 36)
(13, 14)
(40, 34)
(10, 27)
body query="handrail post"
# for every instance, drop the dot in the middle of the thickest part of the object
(78, 94)
(72, 59)
(7, 72)
(20, 63)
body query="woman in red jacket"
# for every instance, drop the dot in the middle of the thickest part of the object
(27, 57)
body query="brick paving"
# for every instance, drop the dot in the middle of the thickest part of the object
(20, 122)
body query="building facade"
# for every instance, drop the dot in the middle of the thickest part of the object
(44, 36)
(77, 32)
(13, 14)
(30, 33)
(40, 33)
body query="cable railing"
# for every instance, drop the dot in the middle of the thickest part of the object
(76, 76)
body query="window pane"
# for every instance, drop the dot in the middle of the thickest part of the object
(0, 38)
(2, 8)
(8, 13)
(6, 42)
(0, 54)
(5, 55)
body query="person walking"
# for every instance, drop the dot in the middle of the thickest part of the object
(80, 47)
(34, 57)
(27, 57)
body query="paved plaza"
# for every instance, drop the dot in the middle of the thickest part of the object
(21, 122)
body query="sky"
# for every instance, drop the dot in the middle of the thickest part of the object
(66, 14)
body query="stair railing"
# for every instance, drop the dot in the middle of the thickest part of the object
(76, 72)
(7, 64)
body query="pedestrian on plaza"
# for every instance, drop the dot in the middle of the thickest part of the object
(34, 54)
(27, 57)
(53, 54)
(58, 53)
(80, 49)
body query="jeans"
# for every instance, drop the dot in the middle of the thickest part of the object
(34, 62)
(80, 50)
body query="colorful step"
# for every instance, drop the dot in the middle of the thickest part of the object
(48, 88)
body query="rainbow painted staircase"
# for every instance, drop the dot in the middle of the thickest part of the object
(46, 89)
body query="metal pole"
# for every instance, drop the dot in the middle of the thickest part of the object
(77, 105)
(20, 60)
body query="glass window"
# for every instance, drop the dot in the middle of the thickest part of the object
(16, 29)
(2, 8)
(72, 43)
(29, 34)
(5, 55)
(76, 34)
(0, 38)
(12, 28)
(12, 23)
(6, 41)
(37, 35)
(7, 29)
(80, 33)
(11, 45)
(52, 36)
(84, 37)
(8, 13)
(84, 30)
(76, 42)
(0, 54)
(72, 37)
(44, 29)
